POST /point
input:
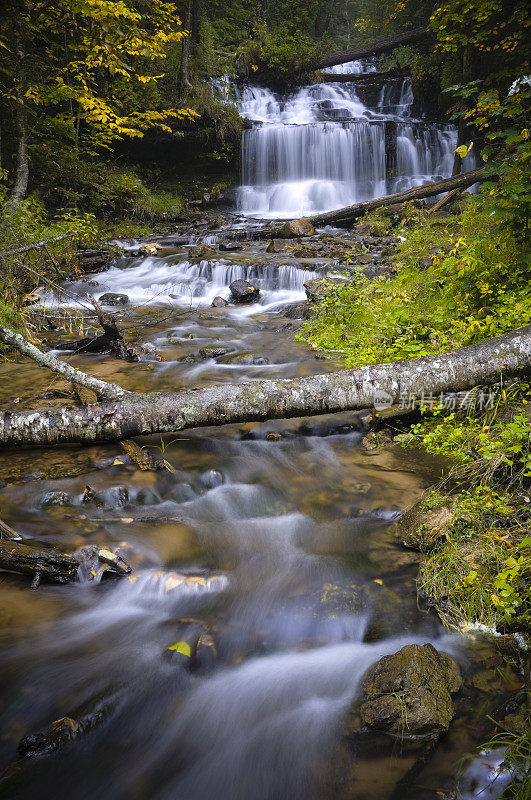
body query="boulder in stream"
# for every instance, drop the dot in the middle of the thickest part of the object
(219, 302)
(297, 227)
(244, 292)
(279, 245)
(426, 523)
(113, 299)
(212, 351)
(408, 695)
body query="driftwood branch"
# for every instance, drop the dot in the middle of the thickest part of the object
(374, 49)
(351, 213)
(48, 360)
(38, 561)
(345, 390)
(444, 200)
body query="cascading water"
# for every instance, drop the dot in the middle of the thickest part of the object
(322, 148)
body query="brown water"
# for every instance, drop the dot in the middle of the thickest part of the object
(309, 588)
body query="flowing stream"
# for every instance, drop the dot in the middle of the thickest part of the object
(281, 530)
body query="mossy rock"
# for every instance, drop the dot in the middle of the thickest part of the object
(408, 695)
(424, 524)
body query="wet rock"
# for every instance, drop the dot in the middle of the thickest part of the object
(407, 695)
(425, 523)
(318, 288)
(113, 299)
(189, 358)
(181, 493)
(230, 247)
(56, 499)
(210, 479)
(219, 302)
(297, 227)
(150, 249)
(202, 251)
(362, 229)
(115, 496)
(212, 352)
(90, 260)
(244, 292)
(244, 359)
(146, 497)
(279, 246)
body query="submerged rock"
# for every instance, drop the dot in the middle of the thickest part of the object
(219, 302)
(212, 351)
(146, 497)
(181, 493)
(113, 299)
(245, 359)
(244, 292)
(56, 499)
(210, 479)
(297, 227)
(407, 695)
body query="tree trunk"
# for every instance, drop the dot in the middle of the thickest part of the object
(345, 390)
(184, 81)
(374, 49)
(21, 117)
(350, 213)
(196, 22)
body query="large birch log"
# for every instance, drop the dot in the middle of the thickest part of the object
(349, 214)
(345, 390)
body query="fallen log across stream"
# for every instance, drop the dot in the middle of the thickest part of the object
(345, 390)
(348, 214)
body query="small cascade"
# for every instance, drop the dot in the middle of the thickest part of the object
(323, 147)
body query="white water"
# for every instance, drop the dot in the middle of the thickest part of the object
(321, 147)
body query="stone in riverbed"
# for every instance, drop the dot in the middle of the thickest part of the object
(219, 302)
(279, 245)
(181, 493)
(146, 497)
(245, 359)
(230, 247)
(210, 479)
(425, 523)
(212, 352)
(244, 292)
(113, 299)
(297, 227)
(407, 695)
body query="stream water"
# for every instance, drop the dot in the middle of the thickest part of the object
(282, 531)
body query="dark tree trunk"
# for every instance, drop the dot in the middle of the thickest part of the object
(184, 81)
(20, 187)
(196, 22)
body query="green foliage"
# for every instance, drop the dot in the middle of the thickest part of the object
(476, 286)
(480, 574)
(516, 758)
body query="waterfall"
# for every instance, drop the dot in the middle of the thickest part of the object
(321, 147)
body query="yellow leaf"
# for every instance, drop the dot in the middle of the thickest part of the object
(379, 581)
(181, 647)
(173, 582)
